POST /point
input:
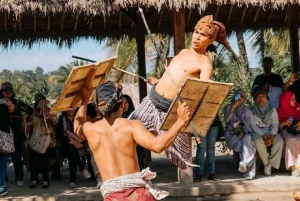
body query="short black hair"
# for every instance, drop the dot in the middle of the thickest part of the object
(268, 59)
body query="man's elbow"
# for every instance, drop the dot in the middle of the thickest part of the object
(158, 147)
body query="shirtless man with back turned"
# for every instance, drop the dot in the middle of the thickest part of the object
(189, 63)
(113, 142)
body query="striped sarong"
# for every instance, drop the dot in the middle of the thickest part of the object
(136, 186)
(151, 112)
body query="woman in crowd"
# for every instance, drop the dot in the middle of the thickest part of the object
(267, 137)
(16, 120)
(69, 145)
(289, 118)
(7, 107)
(238, 133)
(40, 141)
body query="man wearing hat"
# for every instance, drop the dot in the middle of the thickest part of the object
(189, 63)
(11, 109)
(113, 141)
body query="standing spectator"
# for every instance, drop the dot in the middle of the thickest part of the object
(207, 145)
(70, 146)
(270, 82)
(6, 109)
(16, 119)
(266, 119)
(39, 142)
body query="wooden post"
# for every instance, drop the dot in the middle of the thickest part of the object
(140, 40)
(178, 21)
(294, 38)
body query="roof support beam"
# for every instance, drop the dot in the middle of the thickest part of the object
(104, 22)
(294, 36)
(189, 17)
(243, 14)
(20, 22)
(91, 22)
(49, 22)
(34, 21)
(286, 14)
(120, 20)
(270, 15)
(76, 22)
(140, 33)
(62, 21)
(229, 14)
(217, 12)
(5, 21)
(256, 14)
(161, 14)
(178, 23)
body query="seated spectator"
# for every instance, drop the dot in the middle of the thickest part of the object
(266, 119)
(238, 130)
(289, 118)
(70, 145)
(293, 85)
(272, 83)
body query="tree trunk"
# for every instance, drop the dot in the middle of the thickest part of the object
(244, 64)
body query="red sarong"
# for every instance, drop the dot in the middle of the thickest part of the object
(131, 194)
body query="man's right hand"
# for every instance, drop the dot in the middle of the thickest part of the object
(86, 93)
(184, 112)
(235, 104)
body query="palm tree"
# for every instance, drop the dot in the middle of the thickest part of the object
(58, 78)
(126, 49)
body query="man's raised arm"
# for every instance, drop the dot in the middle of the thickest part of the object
(163, 141)
(80, 118)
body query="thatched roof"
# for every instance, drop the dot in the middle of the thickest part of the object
(25, 22)
(105, 7)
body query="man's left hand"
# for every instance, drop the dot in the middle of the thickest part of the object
(152, 80)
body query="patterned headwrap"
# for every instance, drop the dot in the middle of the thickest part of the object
(216, 30)
(107, 96)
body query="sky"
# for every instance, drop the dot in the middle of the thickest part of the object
(50, 57)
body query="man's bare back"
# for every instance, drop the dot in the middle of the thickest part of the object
(113, 147)
(113, 139)
(187, 64)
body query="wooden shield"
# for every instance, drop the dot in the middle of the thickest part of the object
(90, 75)
(204, 98)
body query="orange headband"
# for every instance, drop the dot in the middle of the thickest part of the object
(216, 30)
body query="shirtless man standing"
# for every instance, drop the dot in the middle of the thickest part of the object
(113, 143)
(189, 63)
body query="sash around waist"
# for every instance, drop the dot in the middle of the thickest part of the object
(161, 103)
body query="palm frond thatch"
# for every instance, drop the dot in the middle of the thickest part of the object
(105, 7)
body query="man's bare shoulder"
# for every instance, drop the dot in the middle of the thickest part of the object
(184, 51)
(128, 122)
